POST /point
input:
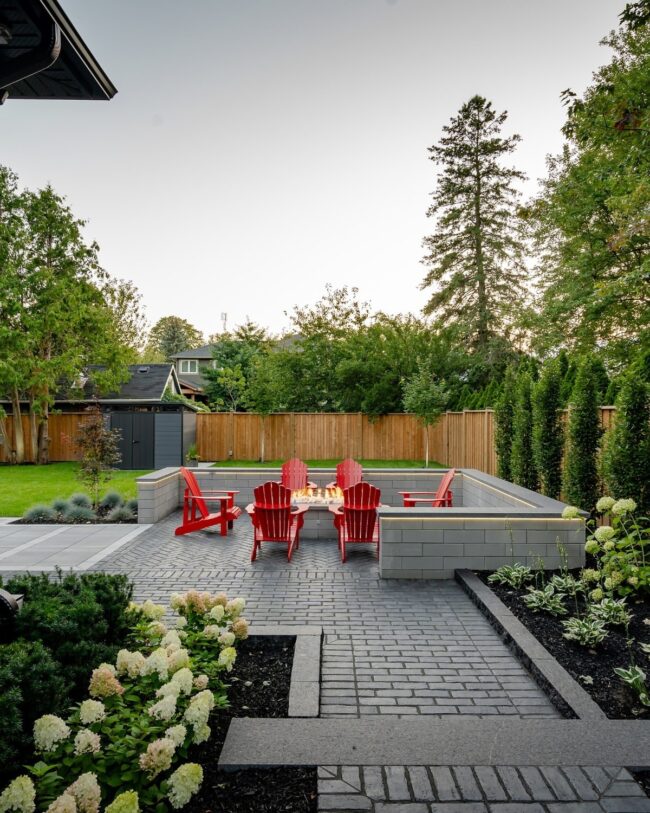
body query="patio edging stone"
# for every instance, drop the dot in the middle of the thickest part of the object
(566, 694)
(304, 689)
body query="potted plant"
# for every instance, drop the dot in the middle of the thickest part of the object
(192, 456)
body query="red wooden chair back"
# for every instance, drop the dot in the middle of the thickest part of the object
(348, 473)
(294, 474)
(195, 490)
(360, 503)
(273, 511)
(443, 488)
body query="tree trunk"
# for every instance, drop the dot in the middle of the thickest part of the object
(426, 447)
(44, 437)
(478, 253)
(33, 434)
(18, 451)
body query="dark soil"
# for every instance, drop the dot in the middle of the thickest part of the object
(259, 687)
(643, 778)
(582, 663)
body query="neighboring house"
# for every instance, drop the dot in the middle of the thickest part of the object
(189, 366)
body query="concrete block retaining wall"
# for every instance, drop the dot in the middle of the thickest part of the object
(492, 523)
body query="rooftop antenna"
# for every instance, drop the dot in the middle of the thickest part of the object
(224, 320)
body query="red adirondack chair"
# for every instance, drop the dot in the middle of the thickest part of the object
(273, 518)
(442, 498)
(348, 473)
(196, 514)
(294, 475)
(356, 520)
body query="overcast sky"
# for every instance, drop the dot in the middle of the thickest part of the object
(258, 149)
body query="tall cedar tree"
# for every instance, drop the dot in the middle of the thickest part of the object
(503, 425)
(580, 482)
(626, 458)
(522, 462)
(548, 433)
(475, 256)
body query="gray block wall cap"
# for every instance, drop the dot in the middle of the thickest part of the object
(161, 474)
(538, 500)
(471, 512)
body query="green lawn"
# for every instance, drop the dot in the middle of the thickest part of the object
(24, 486)
(330, 464)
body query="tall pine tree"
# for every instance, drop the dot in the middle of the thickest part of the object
(475, 255)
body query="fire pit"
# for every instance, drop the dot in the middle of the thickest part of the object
(318, 522)
(317, 496)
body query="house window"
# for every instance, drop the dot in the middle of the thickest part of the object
(189, 366)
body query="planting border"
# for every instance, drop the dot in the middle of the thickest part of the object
(566, 694)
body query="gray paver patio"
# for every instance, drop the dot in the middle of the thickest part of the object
(396, 648)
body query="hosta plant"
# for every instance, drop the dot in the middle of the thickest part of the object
(635, 677)
(611, 611)
(512, 575)
(566, 583)
(545, 600)
(586, 631)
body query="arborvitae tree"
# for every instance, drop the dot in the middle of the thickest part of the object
(568, 381)
(612, 391)
(580, 482)
(522, 462)
(602, 380)
(548, 434)
(626, 458)
(475, 256)
(503, 424)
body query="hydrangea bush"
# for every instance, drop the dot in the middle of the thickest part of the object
(125, 747)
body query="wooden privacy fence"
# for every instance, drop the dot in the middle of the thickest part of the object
(63, 430)
(461, 439)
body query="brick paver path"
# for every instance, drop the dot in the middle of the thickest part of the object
(391, 647)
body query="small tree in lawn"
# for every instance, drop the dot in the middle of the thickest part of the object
(580, 483)
(522, 463)
(98, 447)
(626, 458)
(426, 399)
(548, 433)
(503, 415)
(264, 396)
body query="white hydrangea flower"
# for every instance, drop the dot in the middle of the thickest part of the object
(49, 730)
(19, 796)
(206, 696)
(177, 734)
(178, 660)
(171, 638)
(227, 638)
(212, 631)
(240, 628)
(156, 663)
(158, 757)
(181, 622)
(183, 680)
(604, 533)
(92, 711)
(177, 601)
(184, 783)
(164, 709)
(201, 734)
(236, 607)
(198, 712)
(622, 507)
(217, 613)
(129, 663)
(201, 682)
(86, 742)
(66, 803)
(168, 690)
(126, 802)
(604, 505)
(571, 512)
(227, 657)
(153, 611)
(86, 792)
(156, 629)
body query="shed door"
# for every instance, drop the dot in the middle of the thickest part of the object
(142, 440)
(124, 422)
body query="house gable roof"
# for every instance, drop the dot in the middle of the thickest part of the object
(204, 352)
(146, 382)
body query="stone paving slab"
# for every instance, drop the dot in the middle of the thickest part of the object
(452, 741)
(481, 789)
(43, 548)
(391, 648)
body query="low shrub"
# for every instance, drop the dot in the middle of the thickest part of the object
(60, 505)
(110, 500)
(120, 514)
(39, 513)
(79, 513)
(132, 505)
(82, 500)
(546, 600)
(611, 611)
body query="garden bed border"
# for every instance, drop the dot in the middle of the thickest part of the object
(566, 694)
(304, 689)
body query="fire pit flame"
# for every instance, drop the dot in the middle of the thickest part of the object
(322, 496)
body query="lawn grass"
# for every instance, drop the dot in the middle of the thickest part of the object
(331, 464)
(21, 487)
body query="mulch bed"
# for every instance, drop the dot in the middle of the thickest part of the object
(614, 697)
(259, 687)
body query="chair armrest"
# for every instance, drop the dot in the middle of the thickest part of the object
(331, 485)
(222, 491)
(335, 509)
(408, 493)
(250, 509)
(312, 485)
(299, 509)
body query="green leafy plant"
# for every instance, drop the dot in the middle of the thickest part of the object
(192, 453)
(522, 461)
(635, 678)
(513, 575)
(611, 611)
(545, 600)
(567, 583)
(588, 631)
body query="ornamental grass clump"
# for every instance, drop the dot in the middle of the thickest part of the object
(126, 745)
(40, 513)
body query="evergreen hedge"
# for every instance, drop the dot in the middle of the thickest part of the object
(548, 432)
(522, 462)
